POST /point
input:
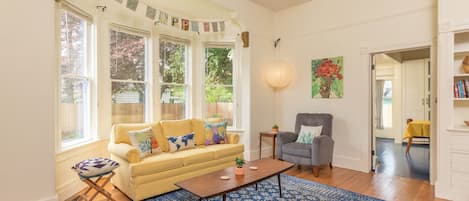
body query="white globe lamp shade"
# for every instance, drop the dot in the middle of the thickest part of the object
(278, 74)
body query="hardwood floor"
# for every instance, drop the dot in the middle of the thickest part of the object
(376, 185)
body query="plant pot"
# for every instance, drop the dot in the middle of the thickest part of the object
(274, 130)
(239, 171)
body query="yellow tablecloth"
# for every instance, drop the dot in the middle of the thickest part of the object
(417, 129)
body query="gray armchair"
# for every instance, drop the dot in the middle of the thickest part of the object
(316, 154)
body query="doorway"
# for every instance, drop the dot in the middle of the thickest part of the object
(401, 92)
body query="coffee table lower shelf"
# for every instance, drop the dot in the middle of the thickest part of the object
(210, 185)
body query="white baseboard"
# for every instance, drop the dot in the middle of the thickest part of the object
(350, 163)
(69, 188)
(52, 198)
(266, 152)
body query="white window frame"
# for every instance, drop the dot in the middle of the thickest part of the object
(89, 124)
(148, 66)
(187, 74)
(236, 112)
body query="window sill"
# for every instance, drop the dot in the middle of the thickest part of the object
(235, 130)
(75, 145)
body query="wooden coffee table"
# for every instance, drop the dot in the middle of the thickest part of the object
(210, 185)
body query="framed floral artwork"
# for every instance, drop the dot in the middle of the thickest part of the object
(327, 77)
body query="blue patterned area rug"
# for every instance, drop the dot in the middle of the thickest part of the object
(293, 188)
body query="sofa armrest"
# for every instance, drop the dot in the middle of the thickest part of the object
(125, 151)
(284, 138)
(322, 149)
(232, 138)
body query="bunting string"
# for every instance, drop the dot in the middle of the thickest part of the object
(161, 17)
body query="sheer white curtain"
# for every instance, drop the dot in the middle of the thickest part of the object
(379, 104)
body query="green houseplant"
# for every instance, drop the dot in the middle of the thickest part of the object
(275, 128)
(239, 170)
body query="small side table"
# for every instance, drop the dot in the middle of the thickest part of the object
(267, 134)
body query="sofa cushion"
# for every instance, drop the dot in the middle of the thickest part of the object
(176, 127)
(155, 163)
(194, 156)
(120, 132)
(297, 149)
(223, 150)
(198, 126)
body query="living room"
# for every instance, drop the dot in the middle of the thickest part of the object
(256, 34)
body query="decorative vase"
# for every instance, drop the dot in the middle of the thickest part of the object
(325, 88)
(239, 171)
(465, 64)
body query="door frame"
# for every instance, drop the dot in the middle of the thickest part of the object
(368, 53)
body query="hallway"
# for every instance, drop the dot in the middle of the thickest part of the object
(393, 161)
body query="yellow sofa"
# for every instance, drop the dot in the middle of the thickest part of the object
(153, 175)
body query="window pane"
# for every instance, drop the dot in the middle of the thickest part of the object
(387, 104)
(127, 56)
(219, 102)
(73, 108)
(219, 67)
(172, 62)
(128, 102)
(172, 102)
(72, 43)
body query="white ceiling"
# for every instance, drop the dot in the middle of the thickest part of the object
(277, 5)
(194, 9)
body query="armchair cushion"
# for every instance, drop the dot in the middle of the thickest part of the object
(297, 149)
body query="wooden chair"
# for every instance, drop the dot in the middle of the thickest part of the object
(94, 185)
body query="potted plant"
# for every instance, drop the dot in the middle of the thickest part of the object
(275, 128)
(239, 170)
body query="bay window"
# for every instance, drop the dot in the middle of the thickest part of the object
(173, 79)
(128, 77)
(219, 88)
(75, 78)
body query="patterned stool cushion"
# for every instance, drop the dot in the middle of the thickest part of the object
(95, 166)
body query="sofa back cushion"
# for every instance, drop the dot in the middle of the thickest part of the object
(121, 133)
(198, 126)
(173, 128)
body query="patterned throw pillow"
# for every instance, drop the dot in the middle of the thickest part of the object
(144, 140)
(215, 133)
(177, 143)
(95, 166)
(308, 133)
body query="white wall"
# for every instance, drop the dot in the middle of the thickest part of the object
(27, 66)
(353, 29)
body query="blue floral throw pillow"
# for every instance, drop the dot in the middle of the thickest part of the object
(95, 166)
(178, 143)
